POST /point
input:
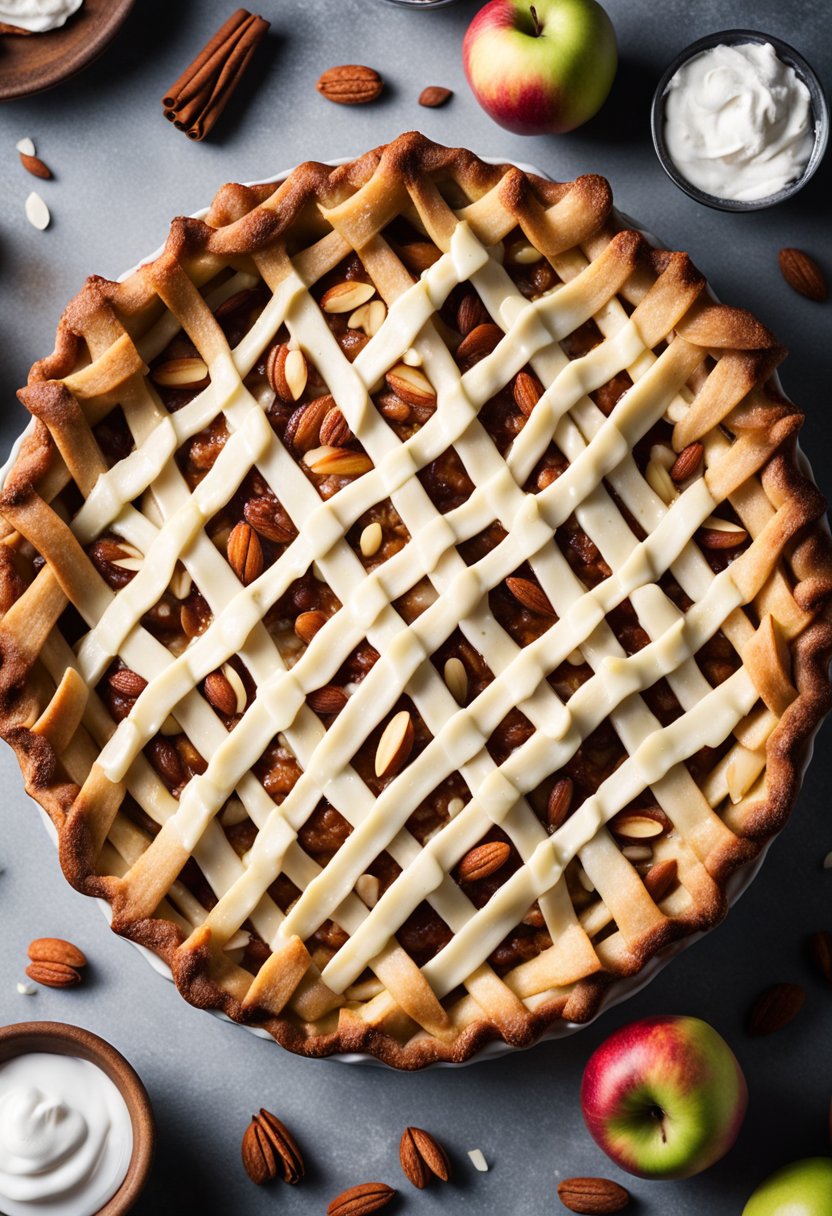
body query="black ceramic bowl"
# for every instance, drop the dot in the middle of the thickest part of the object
(820, 113)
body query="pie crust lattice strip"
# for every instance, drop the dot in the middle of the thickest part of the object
(415, 604)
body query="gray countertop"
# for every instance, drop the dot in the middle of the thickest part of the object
(121, 173)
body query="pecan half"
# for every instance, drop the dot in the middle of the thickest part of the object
(350, 84)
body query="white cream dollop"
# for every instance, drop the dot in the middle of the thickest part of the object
(738, 122)
(38, 15)
(65, 1136)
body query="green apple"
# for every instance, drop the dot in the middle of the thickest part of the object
(664, 1097)
(803, 1188)
(540, 66)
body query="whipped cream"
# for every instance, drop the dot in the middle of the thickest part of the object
(738, 122)
(65, 1136)
(38, 15)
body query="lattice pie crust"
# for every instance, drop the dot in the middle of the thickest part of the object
(414, 604)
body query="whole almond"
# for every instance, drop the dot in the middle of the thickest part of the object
(592, 1196)
(327, 700)
(308, 624)
(660, 878)
(303, 429)
(803, 274)
(53, 975)
(559, 804)
(419, 256)
(687, 462)
(269, 1151)
(527, 392)
(35, 166)
(820, 951)
(483, 861)
(350, 84)
(481, 341)
(434, 95)
(471, 313)
(530, 596)
(334, 430)
(361, 1200)
(56, 950)
(128, 683)
(219, 692)
(775, 1008)
(421, 1156)
(245, 553)
(267, 516)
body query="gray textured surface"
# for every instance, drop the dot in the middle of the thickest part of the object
(121, 173)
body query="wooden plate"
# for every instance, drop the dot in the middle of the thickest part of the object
(30, 63)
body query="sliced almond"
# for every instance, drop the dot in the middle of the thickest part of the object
(371, 539)
(337, 462)
(37, 212)
(637, 852)
(129, 559)
(456, 678)
(717, 533)
(347, 296)
(187, 372)
(411, 385)
(411, 357)
(522, 253)
(478, 1160)
(395, 745)
(369, 317)
(296, 372)
(367, 889)
(660, 481)
(640, 825)
(26, 147)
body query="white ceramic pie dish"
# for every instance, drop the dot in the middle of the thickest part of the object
(623, 989)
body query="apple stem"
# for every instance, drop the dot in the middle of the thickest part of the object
(658, 1115)
(538, 28)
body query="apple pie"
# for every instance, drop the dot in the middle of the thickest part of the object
(415, 604)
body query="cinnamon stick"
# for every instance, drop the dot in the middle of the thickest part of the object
(196, 100)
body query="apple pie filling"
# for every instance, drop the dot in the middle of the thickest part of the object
(254, 528)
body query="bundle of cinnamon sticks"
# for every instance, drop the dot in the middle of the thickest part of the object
(194, 103)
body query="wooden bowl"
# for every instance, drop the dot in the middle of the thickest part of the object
(33, 62)
(65, 1040)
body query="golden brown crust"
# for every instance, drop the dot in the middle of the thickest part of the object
(246, 221)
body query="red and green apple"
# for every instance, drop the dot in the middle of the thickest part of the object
(541, 67)
(803, 1188)
(664, 1097)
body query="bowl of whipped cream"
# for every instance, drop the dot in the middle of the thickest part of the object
(76, 1127)
(739, 120)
